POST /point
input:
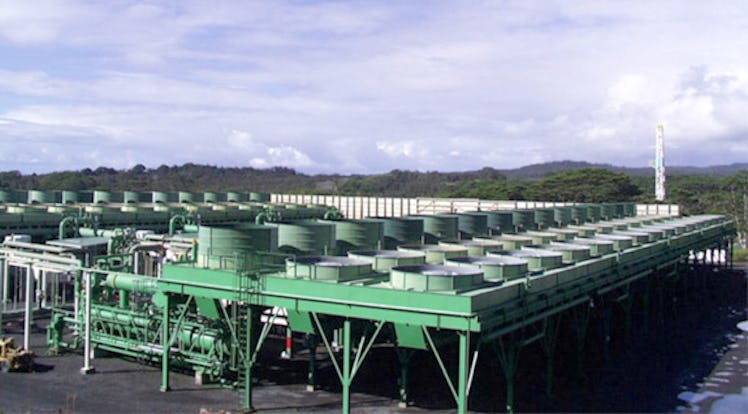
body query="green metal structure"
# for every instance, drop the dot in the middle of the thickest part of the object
(213, 305)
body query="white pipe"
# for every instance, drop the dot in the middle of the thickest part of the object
(6, 292)
(42, 288)
(3, 269)
(29, 309)
(76, 308)
(87, 368)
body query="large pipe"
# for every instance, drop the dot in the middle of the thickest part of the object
(64, 222)
(268, 215)
(87, 367)
(132, 283)
(29, 314)
(332, 214)
(173, 223)
(261, 218)
(134, 250)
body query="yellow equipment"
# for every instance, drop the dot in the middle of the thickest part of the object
(14, 359)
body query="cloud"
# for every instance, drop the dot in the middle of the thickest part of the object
(407, 149)
(262, 156)
(367, 87)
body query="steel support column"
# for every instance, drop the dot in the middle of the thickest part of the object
(289, 343)
(605, 317)
(165, 344)
(645, 303)
(311, 341)
(580, 318)
(462, 373)
(248, 361)
(508, 354)
(87, 350)
(346, 380)
(42, 284)
(6, 285)
(549, 341)
(3, 272)
(29, 313)
(403, 356)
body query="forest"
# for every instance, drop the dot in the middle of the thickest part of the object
(719, 190)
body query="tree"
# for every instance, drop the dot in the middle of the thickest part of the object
(138, 169)
(587, 185)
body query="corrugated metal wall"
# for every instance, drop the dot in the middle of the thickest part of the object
(355, 207)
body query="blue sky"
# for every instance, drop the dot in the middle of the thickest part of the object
(361, 87)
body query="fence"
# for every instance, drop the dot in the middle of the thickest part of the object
(357, 207)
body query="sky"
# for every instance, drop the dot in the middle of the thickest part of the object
(370, 86)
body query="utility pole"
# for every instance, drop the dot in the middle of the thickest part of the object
(660, 164)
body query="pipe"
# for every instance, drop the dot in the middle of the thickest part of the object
(63, 223)
(332, 214)
(261, 218)
(132, 283)
(29, 313)
(173, 223)
(87, 367)
(91, 231)
(134, 250)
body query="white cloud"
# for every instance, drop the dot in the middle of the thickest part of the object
(262, 156)
(407, 149)
(330, 86)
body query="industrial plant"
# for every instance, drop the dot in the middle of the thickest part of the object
(201, 282)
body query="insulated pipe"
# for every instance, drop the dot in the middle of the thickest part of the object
(29, 311)
(261, 218)
(92, 231)
(87, 368)
(4, 270)
(266, 215)
(332, 214)
(134, 250)
(132, 283)
(5, 289)
(116, 233)
(173, 223)
(64, 222)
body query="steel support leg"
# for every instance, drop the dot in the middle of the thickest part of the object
(660, 304)
(289, 343)
(42, 289)
(3, 272)
(580, 316)
(462, 374)
(29, 314)
(346, 366)
(87, 367)
(508, 354)
(6, 286)
(165, 345)
(646, 305)
(404, 355)
(605, 327)
(550, 339)
(248, 362)
(311, 342)
(77, 300)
